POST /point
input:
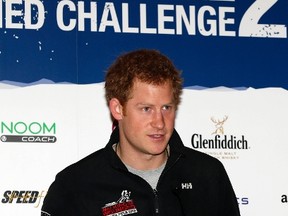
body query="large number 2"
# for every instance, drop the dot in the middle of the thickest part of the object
(249, 26)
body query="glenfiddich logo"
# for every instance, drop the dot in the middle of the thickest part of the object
(219, 125)
(220, 140)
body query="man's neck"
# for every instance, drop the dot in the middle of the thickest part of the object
(141, 161)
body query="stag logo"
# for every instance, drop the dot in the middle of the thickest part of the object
(219, 125)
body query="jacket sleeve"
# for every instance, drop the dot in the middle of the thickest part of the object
(58, 201)
(227, 198)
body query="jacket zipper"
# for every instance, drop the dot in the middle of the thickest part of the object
(155, 192)
(156, 202)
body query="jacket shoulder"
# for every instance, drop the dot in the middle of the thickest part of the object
(85, 165)
(202, 160)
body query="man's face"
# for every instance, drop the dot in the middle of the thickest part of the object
(148, 120)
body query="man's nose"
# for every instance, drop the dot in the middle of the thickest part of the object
(158, 120)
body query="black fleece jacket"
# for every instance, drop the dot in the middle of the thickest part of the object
(192, 184)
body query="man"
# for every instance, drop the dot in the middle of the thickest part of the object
(145, 168)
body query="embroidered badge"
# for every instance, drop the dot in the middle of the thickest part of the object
(124, 206)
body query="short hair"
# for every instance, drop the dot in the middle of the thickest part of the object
(148, 66)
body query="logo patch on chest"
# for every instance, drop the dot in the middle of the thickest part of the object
(124, 206)
(186, 186)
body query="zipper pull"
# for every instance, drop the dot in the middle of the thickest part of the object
(156, 202)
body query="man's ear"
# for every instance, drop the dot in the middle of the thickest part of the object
(116, 109)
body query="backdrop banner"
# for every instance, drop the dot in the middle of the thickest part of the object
(246, 130)
(232, 43)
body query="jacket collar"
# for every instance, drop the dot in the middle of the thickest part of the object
(175, 144)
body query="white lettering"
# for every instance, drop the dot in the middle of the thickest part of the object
(28, 14)
(109, 9)
(143, 21)
(1, 14)
(162, 19)
(41, 139)
(206, 20)
(211, 23)
(223, 21)
(92, 16)
(250, 27)
(125, 20)
(10, 13)
(189, 23)
(186, 185)
(21, 14)
(60, 18)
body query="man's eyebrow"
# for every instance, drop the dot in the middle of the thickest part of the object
(170, 103)
(144, 104)
(149, 104)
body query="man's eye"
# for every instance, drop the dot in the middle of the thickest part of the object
(146, 109)
(167, 107)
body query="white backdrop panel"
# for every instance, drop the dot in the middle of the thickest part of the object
(82, 125)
